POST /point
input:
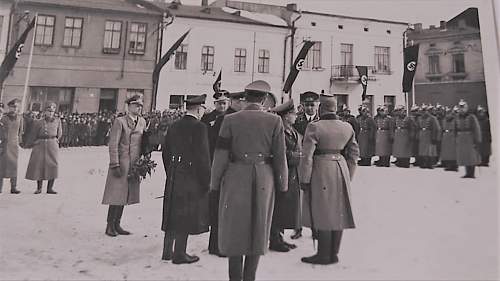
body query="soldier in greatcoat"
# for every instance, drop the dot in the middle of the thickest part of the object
(429, 134)
(404, 134)
(384, 137)
(13, 123)
(415, 116)
(186, 159)
(346, 116)
(236, 101)
(485, 146)
(249, 167)
(44, 139)
(287, 206)
(366, 136)
(3, 140)
(330, 153)
(121, 187)
(448, 153)
(469, 139)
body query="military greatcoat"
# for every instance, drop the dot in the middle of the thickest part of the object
(448, 140)
(384, 136)
(468, 140)
(14, 128)
(404, 134)
(429, 134)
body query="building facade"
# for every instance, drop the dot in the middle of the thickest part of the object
(450, 62)
(5, 11)
(220, 39)
(88, 56)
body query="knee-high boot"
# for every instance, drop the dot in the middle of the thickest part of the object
(110, 227)
(118, 228)
(235, 268)
(168, 242)
(50, 187)
(324, 248)
(13, 186)
(38, 187)
(336, 239)
(250, 269)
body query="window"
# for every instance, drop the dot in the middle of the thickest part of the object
(313, 58)
(181, 57)
(207, 58)
(62, 97)
(458, 63)
(176, 101)
(112, 36)
(263, 61)
(434, 64)
(73, 32)
(137, 40)
(341, 100)
(346, 60)
(240, 59)
(44, 34)
(390, 102)
(382, 59)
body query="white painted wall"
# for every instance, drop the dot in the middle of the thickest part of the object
(4, 27)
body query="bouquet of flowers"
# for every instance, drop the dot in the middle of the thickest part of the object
(142, 167)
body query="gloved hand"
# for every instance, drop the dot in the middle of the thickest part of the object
(117, 172)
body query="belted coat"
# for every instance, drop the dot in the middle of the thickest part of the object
(404, 135)
(330, 153)
(366, 136)
(44, 139)
(14, 127)
(429, 135)
(249, 166)
(469, 139)
(384, 136)
(448, 140)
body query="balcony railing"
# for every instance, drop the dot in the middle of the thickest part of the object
(349, 73)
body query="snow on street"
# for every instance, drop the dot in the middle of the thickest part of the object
(411, 224)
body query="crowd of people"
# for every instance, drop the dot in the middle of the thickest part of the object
(244, 173)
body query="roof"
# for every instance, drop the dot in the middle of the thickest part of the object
(433, 33)
(352, 18)
(214, 14)
(267, 18)
(131, 6)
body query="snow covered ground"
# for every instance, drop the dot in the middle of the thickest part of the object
(412, 224)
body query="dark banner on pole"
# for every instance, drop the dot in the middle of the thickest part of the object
(363, 78)
(297, 66)
(217, 84)
(410, 66)
(166, 57)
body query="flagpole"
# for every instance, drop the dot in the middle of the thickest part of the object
(26, 81)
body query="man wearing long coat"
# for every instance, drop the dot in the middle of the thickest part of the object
(122, 188)
(186, 159)
(44, 159)
(366, 136)
(384, 137)
(404, 134)
(14, 125)
(330, 153)
(428, 135)
(485, 146)
(469, 139)
(249, 167)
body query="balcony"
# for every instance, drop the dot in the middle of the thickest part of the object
(457, 75)
(349, 74)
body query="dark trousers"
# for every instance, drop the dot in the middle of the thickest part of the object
(179, 242)
(365, 161)
(275, 235)
(426, 162)
(403, 162)
(470, 171)
(213, 242)
(384, 161)
(115, 213)
(246, 273)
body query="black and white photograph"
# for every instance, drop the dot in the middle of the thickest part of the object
(249, 140)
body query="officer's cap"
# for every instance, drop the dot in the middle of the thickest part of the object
(462, 103)
(309, 97)
(237, 95)
(13, 102)
(284, 108)
(415, 108)
(221, 95)
(51, 107)
(136, 99)
(480, 109)
(328, 101)
(258, 88)
(197, 100)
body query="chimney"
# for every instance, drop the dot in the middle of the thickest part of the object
(418, 27)
(291, 7)
(442, 24)
(204, 3)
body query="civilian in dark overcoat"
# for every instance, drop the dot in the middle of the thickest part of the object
(366, 136)
(448, 153)
(469, 139)
(236, 100)
(186, 159)
(122, 188)
(404, 134)
(14, 124)
(44, 159)
(287, 205)
(330, 153)
(485, 146)
(249, 167)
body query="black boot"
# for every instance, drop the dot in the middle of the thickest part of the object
(13, 185)
(469, 172)
(336, 239)
(297, 234)
(50, 187)
(118, 228)
(235, 268)
(180, 255)
(1, 184)
(110, 227)
(276, 241)
(323, 255)
(250, 269)
(168, 242)
(38, 187)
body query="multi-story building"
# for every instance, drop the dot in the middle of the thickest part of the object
(244, 47)
(87, 56)
(341, 44)
(450, 61)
